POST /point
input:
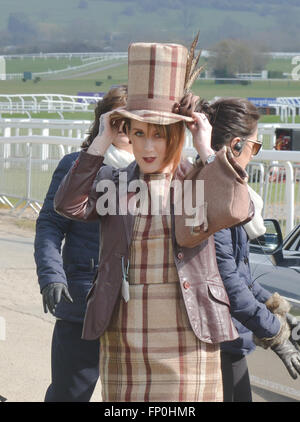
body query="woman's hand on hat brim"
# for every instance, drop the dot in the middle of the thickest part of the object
(106, 135)
(201, 130)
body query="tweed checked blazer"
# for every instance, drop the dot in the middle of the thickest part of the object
(204, 295)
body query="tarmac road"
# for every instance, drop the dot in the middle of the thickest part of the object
(25, 371)
(25, 351)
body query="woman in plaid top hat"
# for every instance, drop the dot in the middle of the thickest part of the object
(161, 310)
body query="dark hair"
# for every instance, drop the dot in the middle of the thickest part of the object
(230, 118)
(116, 97)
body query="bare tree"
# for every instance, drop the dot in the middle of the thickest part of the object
(235, 56)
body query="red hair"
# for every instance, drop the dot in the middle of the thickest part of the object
(174, 135)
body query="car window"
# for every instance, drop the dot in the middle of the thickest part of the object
(293, 243)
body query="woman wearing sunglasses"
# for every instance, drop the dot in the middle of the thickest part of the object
(253, 309)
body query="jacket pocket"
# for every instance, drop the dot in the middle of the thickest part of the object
(218, 293)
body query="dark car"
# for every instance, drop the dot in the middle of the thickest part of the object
(275, 263)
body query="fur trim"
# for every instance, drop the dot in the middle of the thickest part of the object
(282, 336)
(277, 304)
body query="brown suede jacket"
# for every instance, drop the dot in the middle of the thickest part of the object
(204, 295)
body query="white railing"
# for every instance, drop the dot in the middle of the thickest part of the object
(285, 107)
(67, 129)
(26, 167)
(50, 103)
(11, 76)
(252, 76)
(30, 151)
(14, 127)
(267, 132)
(276, 176)
(103, 55)
(70, 69)
(205, 53)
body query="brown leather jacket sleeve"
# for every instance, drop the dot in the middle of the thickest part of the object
(76, 196)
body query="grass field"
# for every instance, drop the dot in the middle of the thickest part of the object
(42, 64)
(86, 79)
(118, 75)
(280, 65)
(29, 64)
(208, 89)
(89, 82)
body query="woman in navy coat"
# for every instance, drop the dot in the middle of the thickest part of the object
(65, 278)
(255, 312)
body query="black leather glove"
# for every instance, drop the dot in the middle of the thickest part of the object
(290, 356)
(294, 325)
(52, 295)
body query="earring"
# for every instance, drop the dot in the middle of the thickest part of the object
(238, 146)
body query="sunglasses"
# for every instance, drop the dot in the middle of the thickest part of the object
(256, 147)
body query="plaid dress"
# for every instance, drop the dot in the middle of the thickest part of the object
(149, 351)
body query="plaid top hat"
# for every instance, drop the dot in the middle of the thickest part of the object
(156, 82)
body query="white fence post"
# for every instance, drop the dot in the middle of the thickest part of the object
(71, 136)
(290, 196)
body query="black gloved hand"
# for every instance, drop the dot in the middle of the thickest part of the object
(52, 295)
(294, 325)
(289, 356)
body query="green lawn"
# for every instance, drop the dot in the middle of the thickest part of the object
(118, 75)
(65, 86)
(30, 64)
(87, 83)
(280, 65)
(42, 64)
(208, 89)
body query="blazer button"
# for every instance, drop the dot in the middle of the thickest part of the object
(180, 255)
(186, 285)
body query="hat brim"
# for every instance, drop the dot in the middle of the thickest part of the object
(151, 116)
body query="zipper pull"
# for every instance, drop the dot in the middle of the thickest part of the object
(125, 284)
